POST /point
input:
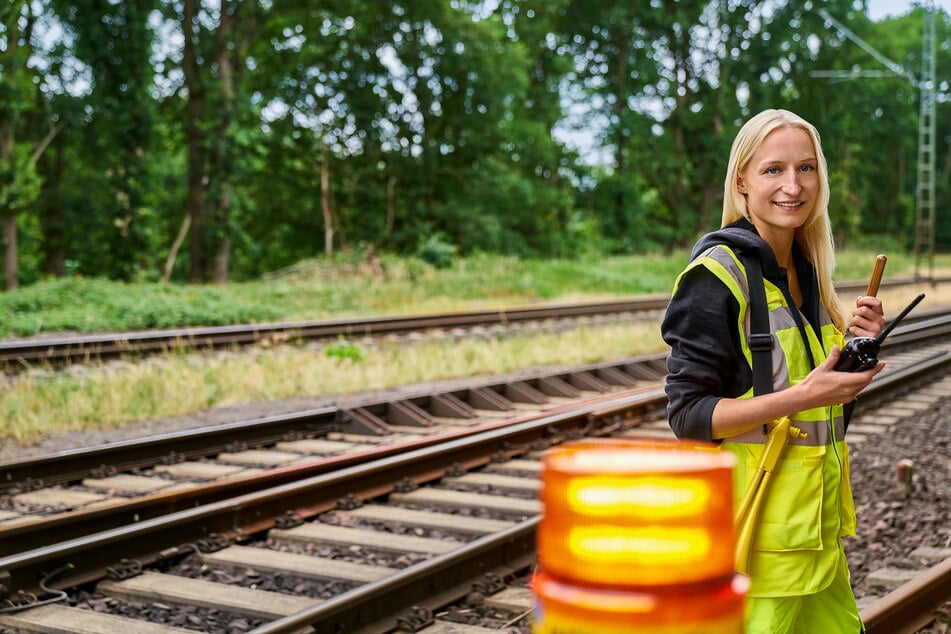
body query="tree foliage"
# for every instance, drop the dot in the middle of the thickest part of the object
(206, 141)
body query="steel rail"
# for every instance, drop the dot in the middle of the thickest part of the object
(860, 286)
(922, 329)
(84, 559)
(63, 348)
(23, 536)
(912, 606)
(892, 381)
(75, 464)
(373, 608)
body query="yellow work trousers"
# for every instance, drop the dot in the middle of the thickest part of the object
(832, 610)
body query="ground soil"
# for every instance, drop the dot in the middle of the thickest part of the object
(891, 521)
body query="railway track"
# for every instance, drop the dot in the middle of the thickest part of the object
(19, 354)
(388, 515)
(100, 487)
(60, 350)
(75, 492)
(229, 522)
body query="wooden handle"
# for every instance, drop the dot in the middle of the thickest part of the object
(876, 275)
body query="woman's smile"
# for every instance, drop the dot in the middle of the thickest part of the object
(781, 182)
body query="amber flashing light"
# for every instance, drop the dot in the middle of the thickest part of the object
(631, 513)
(637, 536)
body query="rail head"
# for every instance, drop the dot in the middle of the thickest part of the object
(912, 606)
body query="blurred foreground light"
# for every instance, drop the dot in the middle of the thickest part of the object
(637, 535)
(637, 513)
(566, 608)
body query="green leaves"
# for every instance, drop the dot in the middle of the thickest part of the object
(281, 129)
(345, 351)
(19, 181)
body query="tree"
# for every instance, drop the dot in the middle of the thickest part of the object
(213, 58)
(18, 182)
(114, 41)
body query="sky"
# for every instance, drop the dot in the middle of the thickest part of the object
(878, 9)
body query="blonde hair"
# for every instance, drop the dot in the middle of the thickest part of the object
(814, 237)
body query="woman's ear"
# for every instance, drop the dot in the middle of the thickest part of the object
(740, 185)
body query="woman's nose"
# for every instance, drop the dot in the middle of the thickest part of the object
(791, 181)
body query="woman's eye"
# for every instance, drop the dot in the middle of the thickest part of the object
(772, 170)
(806, 168)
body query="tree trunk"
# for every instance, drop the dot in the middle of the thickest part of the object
(173, 252)
(53, 224)
(195, 144)
(325, 200)
(11, 272)
(11, 63)
(222, 262)
(195, 206)
(223, 172)
(390, 205)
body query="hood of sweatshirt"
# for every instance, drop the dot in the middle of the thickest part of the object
(742, 237)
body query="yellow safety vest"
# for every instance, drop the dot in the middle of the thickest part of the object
(809, 504)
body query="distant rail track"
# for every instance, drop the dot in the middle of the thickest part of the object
(371, 517)
(83, 348)
(18, 354)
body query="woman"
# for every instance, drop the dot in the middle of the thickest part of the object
(775, 217)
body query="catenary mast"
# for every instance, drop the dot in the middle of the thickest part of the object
(925, 188)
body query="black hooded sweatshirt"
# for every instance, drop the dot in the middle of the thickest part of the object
(706, 361)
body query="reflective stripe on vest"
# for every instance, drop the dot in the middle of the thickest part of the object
(788, 368)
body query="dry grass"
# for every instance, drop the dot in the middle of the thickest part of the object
(109, 396)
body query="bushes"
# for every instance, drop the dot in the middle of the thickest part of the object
(437, 251)
(91, 305)
(349, 287)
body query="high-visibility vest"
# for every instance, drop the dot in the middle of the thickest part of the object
(809, 505)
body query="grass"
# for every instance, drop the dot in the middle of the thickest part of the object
(350, 285)
(112, 395)
(104, 397)
(346, 286)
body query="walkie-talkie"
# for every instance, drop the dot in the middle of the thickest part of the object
(861, 353)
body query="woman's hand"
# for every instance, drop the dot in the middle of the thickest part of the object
(868, 318)
(822, 387)
(827, 386)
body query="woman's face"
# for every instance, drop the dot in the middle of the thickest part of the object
(781, 182)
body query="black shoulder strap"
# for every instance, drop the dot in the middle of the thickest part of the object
(761, 339)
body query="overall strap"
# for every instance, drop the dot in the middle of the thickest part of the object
(761, 339)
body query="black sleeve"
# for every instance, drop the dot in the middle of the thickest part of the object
(706, 361)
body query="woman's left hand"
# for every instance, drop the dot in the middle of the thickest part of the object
(868, 318)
